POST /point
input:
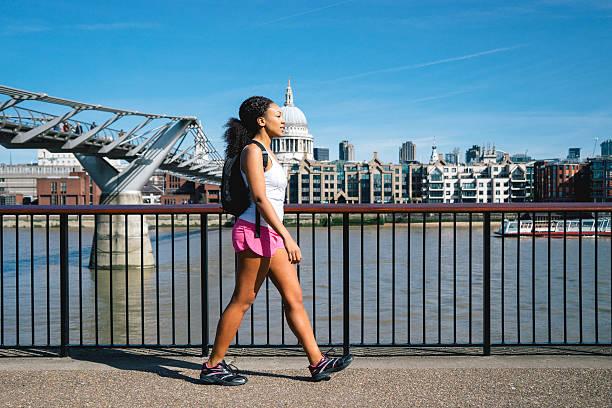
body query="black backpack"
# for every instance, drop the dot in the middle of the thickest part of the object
(235, 197)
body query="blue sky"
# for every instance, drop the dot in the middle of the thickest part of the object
(526, 75)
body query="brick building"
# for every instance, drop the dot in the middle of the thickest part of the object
(181, 191)
(11, 199)
(75, 189)
(559, 181)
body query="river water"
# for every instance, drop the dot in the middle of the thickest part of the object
(406, 317)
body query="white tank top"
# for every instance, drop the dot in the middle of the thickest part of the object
(276, 184)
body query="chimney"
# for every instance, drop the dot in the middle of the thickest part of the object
(440, 156)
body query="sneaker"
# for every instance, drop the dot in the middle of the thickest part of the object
(329, 365)
(222, 374)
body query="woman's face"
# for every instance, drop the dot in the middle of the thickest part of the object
(274, 121)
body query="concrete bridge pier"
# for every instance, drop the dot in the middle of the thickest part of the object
(109, 243)
(124, 188)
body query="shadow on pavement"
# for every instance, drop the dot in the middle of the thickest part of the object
(160, 364)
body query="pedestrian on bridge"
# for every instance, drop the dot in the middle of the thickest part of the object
(272, 253)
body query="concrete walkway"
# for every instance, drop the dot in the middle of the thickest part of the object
(104, 378)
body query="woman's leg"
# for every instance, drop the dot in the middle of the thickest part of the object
(251, 272)
(284, 277)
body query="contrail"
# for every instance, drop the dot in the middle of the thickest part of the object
(446, 95)
(427, 64)
(305, 12)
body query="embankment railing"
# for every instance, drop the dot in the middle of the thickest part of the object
(372, 275)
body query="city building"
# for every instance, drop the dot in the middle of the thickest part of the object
(489, 155)
(353, 182)
(346, 151)
(521, 158)
(21, 179)
(435, 156)
(11, 199)
(178, 190)
(559, 181)
(321, 153)
(453, 157)
(480, 183)
(77, 188)
(472, 155)
(407, 152)
(46, 158)
(606, 147)
(597, 176)
(573, 154)
(499, 155)
(296, 141)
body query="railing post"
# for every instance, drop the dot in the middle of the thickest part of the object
(64, 326)
(486, 315)
(345, 282)
(204, 280)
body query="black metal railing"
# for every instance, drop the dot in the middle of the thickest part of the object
(372, 275)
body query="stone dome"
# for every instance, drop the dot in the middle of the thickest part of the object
(293, 116)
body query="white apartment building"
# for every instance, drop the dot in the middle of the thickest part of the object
(480, 183)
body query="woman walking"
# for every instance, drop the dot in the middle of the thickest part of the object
(271, 253)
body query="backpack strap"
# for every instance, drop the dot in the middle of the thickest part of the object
(264, 155)
(264, 152)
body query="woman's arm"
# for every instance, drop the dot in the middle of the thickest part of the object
(251, 164)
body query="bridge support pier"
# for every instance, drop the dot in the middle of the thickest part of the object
(109, 243)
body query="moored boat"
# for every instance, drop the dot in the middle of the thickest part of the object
(558, 227)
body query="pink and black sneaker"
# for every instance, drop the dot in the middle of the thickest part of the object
(329, 365)
(221, 374)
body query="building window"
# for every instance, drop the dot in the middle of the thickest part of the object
(62, 187)
(54, 187)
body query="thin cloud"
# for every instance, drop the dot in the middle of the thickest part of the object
(115, 26)
(431, 63)
(314, 10)
(446, 95)
(25, 29)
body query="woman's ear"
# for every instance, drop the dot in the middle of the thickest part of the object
(261, 121)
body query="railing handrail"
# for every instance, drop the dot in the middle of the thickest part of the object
(312, 208)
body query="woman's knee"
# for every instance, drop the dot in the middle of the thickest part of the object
(242, 301)
(294, 301)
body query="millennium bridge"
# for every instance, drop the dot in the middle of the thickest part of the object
(176, 144)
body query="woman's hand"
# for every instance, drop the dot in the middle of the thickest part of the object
(293, 250)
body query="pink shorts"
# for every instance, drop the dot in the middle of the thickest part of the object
(243, 237)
